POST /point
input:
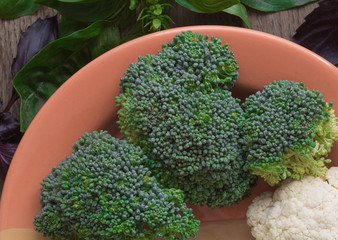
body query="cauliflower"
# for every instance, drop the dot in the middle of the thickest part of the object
(305, 209)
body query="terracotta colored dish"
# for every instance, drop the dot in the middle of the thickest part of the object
(86, 103)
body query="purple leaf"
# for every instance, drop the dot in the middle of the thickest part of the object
(9, 127)
(10, 135)
(319, 32)
(33, 39)
(7, 151)
(31, 42)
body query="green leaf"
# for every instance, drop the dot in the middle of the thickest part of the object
(17, 8)
(123, 15)
(68, 26)
(133, 4)
(239, 10)
(78, 1)
(158, 11)
(207, 6)
(87, 10)
(135, 32)
(156, 23)
(58, 61)
(274, 5)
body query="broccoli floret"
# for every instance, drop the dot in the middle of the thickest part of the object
(190, 131)
(104, 191)
(193, 141)
(203, 63)
(289, 132)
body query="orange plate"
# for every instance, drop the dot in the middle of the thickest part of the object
(86, 103)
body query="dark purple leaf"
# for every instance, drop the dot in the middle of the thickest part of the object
(7, 151)
(319, 32)
(9, 127)
(31, 42)
(33, 39)
(10, 135)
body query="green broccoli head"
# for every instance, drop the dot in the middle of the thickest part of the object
(193, 139)
(289, 132)
(175, 106)
(104, 191)
(198, 145)
(203, 63)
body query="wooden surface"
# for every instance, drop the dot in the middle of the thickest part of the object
(282, 24)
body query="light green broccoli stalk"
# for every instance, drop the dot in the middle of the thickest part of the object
(104, 191)
(289, 131)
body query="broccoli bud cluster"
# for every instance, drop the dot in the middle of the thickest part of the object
(176, 106)
(289, 132)
(198, 145)
(104, 191)
(191, 60)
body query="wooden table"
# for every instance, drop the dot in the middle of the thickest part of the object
(282, 24)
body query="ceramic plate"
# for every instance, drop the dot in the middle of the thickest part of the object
(86, 103)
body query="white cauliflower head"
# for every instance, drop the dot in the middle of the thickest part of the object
(297, 210)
